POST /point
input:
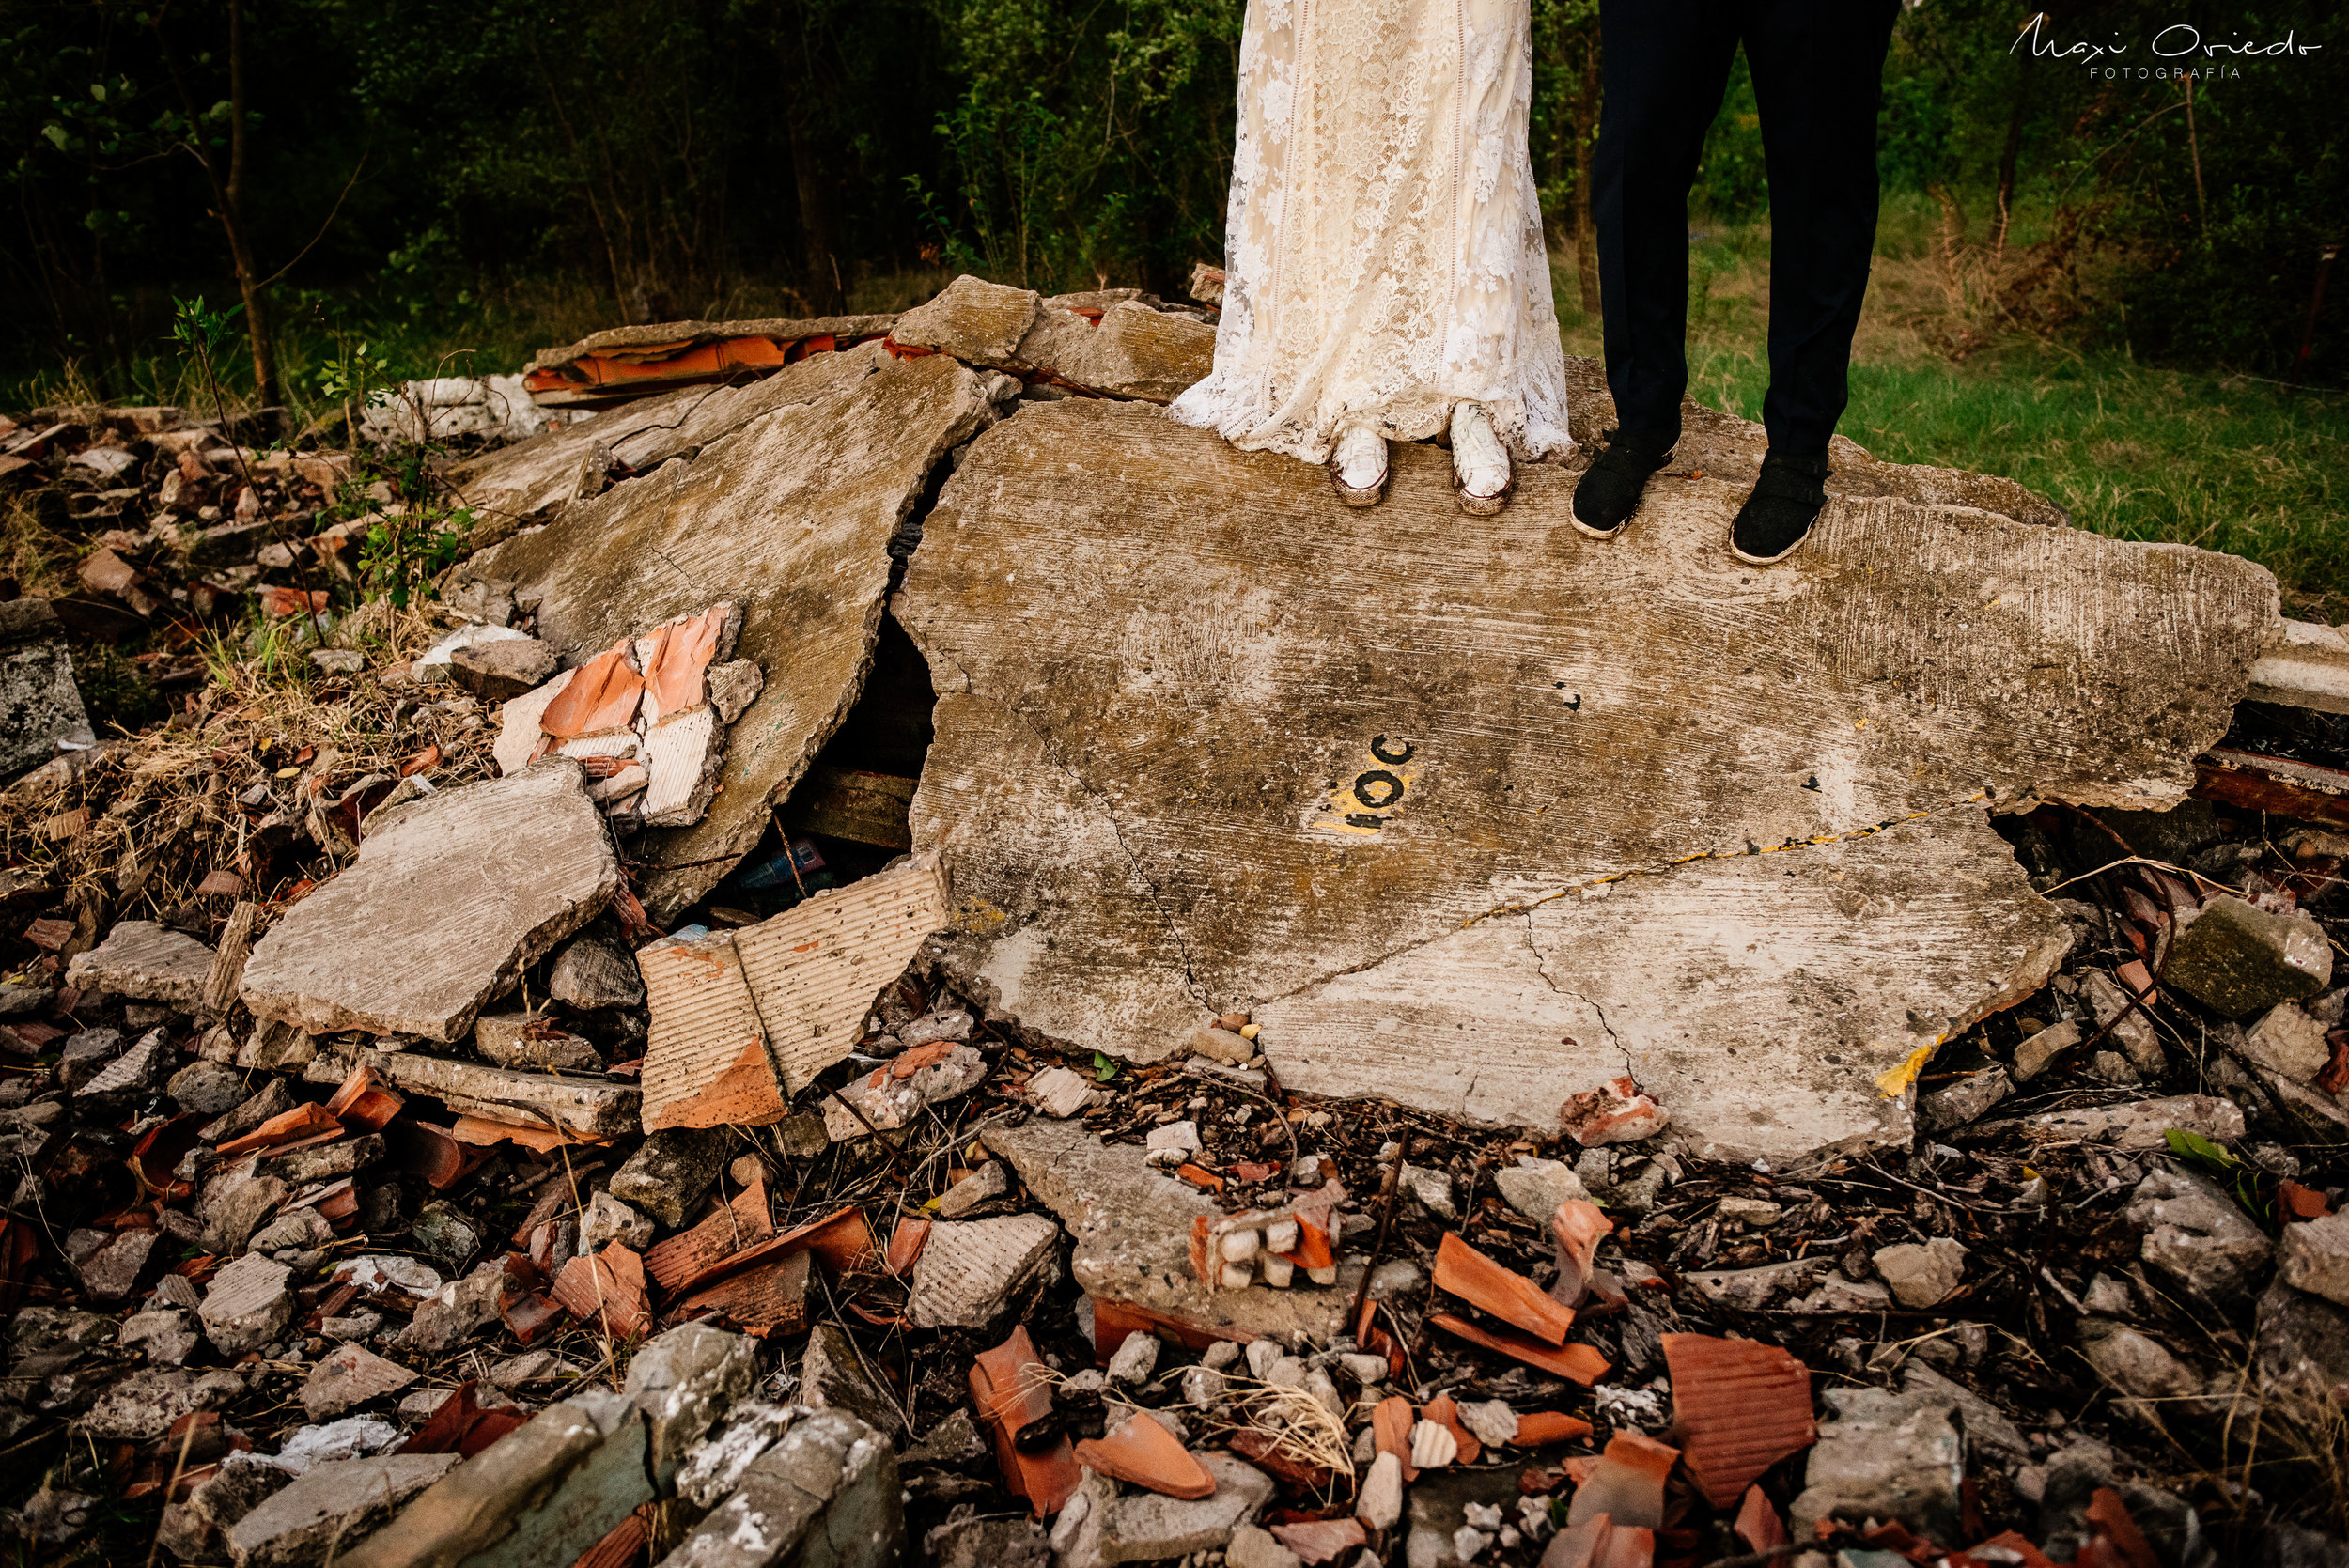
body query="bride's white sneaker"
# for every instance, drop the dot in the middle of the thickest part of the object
(1358, 469)
(1479, 464)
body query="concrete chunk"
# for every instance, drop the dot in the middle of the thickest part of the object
(589, 1108)
(447, 903)
(2238, 958)
(2313, 1257)
(247, 1304)
(40, 703)
(1883, 1456)
(349, 1378)
(147, 961)
(1385, 848)
(824, 1496)
(682, 1382)
(1146, 1526)
(796, 485)
(969, 1271)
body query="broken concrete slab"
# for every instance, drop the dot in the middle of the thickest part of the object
(682, 1381)
(1146, 1526)
(144, 1405)
(351, 1377)
(247, 1305)
(826, 1493)
(1185, 767)
(331, 1506)
(592, 972)
(451, 897)
(144, 961)
(801, 501)
(582, 1107)
(1132, 1228)
(1118, 347)
(41, 706)
(742, 1020)
(1883, 1456)
(670, 1171)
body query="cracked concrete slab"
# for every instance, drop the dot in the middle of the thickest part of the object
(792, 513)
(1208, 739)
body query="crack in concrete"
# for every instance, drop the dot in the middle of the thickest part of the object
(1541, 967)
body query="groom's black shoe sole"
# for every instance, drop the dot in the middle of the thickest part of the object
(1609, 492)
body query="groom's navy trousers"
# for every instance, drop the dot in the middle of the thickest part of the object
(1817, 67)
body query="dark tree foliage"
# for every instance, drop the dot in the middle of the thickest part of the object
(670, 157)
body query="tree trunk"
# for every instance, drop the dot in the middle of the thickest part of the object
(1585, 131)
(2016, 113)
(231, 218)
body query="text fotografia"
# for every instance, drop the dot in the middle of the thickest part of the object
(2178, 50)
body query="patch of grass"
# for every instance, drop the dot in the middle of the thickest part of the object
(2135, 452)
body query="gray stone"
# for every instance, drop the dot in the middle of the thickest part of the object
(274, 1098)
(144, 1404)
(2303, 1344)
(2137, 1365)
(247, 1305)
(683, 1381)
(1883, 1456)
(970, 1271)
(503, 670)
(2239, 959)
(165, 1336)
(592, 972)
(824, 1496)
(384, 947)
(349, 1377)
(954, 1443)
(206, 1089)
(39, 704)
(952, 1024)
(2196, 1233)
(2286, 1040)
(1984, 1425)
(988, 1181)
(983, 1543)
(824, 459)
(330, 1442)
(142, 959)
(1440, 1501)
(448, 1235)
(2032, 1056)
(1752, 1289)
(322, 1514)
(667, 1177)
(714, 1467)
(85, 1054)
(457, 1312)
(319, 1162)
(542, 1494)
(1252, 1548)
(1146, 1526)
(610, 1219)
(23, 1001)
(832, 1377)
(2132, 1030)
(1965, 1101)
(1431, 1190)
(1922, 1275)
(2314, 1256)
(191, 1531)
(234, 1208)
(1535, 1186)
(302, 1230)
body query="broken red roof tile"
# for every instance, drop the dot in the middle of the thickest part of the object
(1391, 1426)
(1114, 1320)
(420, 1149)
(1447, 1415)
(1598, 1542)
(528, 1314)
(1319, 1541)
(841, 1239)
(1627, 1483)
(1576, 1229)
(365, 1102)
(601, 694)
(1463, 1271)
(303, 1122)
(1738, 1407)
(2301, 1202)
(1579, 1362)
(906, 1064)
(1012, 1389)
(906, 1243)
(1758, 1523)
(489, 1131)
(1540, 1428)
(610, 1285)
(2122, 1542)
(690, 1255)
(1291, 1469)
(1144, 1453)
(1615, 1112)
(624, 1547)
(682, 652)
(769, 1297)
(1199, 1176)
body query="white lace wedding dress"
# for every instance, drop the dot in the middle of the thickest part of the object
(1384, 255)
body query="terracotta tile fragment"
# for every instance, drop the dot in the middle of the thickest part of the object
(1114, 1320)
(692, 1254)
(1627, 1483)
(1012, 1389)
(365, 1103)
(1391, 1426)
(611, 1285)
(906, 1243)
(303, 1122)
(1144, 1453)
(1579, 1362)
(1598, 1542)
(1319, 1541)
(1540, 1428)
(1758, 1523)
(1576, 1229)
(2118, 1532)
(766, 1299)
(1738, 1407)
(601, 695)
(1463, 1271)
(1268, 1452)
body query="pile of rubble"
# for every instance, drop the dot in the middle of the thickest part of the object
(530, 1086)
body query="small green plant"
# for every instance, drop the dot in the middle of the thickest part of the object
(1103, 1068)
(2220, 1163)
(355, 371)
(402, 558)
